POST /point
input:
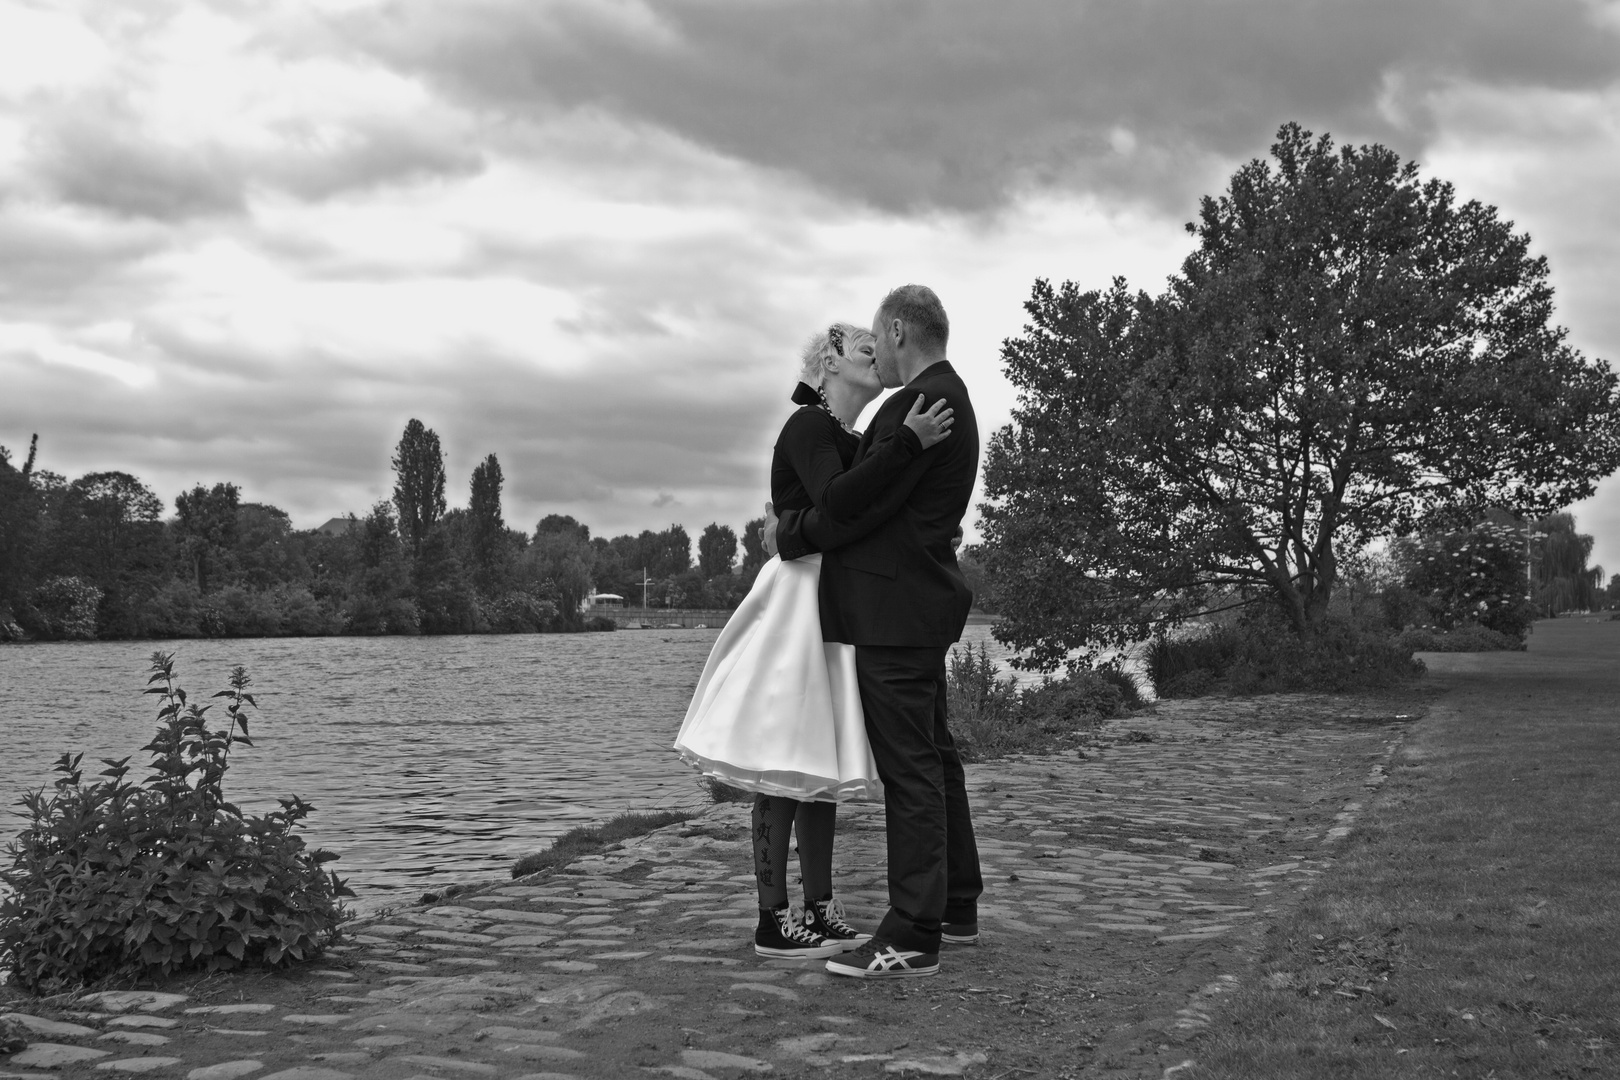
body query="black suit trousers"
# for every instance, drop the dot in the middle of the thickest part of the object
(933, 858)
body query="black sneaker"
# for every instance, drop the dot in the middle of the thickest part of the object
(960, 933)
(779, 934)
(826, 918)
(878, 959)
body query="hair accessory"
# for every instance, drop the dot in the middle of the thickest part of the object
(835, 338)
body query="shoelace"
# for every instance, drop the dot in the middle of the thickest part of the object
(832, 913)
(794, 930)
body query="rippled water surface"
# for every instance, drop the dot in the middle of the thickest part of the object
(427, 759)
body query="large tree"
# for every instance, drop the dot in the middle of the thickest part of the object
(207, 528)
(19, 529)
(1347, 354)
(1562, 580)
(717, 550)
(487, 527)
(418, 463)
(106, 528)
(560, 562)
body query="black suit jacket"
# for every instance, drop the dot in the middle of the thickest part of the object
(889, 574)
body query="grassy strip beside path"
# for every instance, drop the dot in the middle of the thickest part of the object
(593, 839)
(1469, 926)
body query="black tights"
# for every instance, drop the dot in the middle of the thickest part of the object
(815, 823)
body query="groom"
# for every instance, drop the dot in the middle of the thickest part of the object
(891, 587)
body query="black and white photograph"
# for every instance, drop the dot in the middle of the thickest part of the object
(566, 539)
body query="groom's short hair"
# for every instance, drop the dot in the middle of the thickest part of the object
(919, 308)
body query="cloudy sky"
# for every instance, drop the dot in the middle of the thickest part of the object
(247, 240)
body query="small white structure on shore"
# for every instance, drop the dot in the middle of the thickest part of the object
(601, 600)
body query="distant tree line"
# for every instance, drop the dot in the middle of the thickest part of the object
(98, 557)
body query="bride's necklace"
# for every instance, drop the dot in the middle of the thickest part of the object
(821, 400)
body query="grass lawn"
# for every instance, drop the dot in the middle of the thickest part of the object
(1469, 927)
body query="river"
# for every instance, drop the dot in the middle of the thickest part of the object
(427, 759)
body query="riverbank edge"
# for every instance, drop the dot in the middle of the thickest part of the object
(1141, 1032)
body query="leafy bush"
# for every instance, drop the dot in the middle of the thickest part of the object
(1470, 577)
(991, 717)
(1468, 638)
(62, 608)
(1262, 655)
(519, 612)
(117, 879)
(247, 612)
(173, 611)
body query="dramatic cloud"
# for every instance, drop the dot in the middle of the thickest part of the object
(249, 241)
(960, 104)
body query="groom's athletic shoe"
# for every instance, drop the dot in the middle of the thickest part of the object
(780, 934)
(826, 918)
(961, 933)
(878, 959)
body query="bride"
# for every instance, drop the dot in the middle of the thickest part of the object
(777, 711)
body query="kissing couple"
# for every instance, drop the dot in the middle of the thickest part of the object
(828, 683)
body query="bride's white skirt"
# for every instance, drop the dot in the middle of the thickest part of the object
(777, 709)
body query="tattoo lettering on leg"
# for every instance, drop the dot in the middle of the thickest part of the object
(763, 832)
(765, 876)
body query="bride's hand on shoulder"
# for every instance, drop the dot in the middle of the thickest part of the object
(932, 424)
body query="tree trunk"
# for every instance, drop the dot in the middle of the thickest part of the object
(1326, 576)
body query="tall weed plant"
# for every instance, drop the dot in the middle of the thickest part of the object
(990, 716)
(114, 879)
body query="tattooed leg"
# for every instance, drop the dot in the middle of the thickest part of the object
(773, 824)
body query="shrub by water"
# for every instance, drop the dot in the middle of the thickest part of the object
(990, 717)
(117, 879)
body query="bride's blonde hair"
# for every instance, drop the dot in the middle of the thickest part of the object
(839, 339)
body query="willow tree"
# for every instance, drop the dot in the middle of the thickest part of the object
(1562, 579)
(1348, 353)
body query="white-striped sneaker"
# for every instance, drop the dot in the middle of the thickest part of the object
(878, 959)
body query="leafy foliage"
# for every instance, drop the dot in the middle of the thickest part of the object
(63, 608)
(717, 550)
(1476, 576)
(753, 543)
(19, 528)
(991, 717)
(228, 568)
(488, 538)
(114, 878)
(1262, 655)
(1467, 638)
(1562, 581)
(207, 527)
(1348, 354)
(418, 464)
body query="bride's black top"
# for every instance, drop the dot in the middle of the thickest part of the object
(811, 464)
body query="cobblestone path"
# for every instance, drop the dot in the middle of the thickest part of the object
(1124, 889)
